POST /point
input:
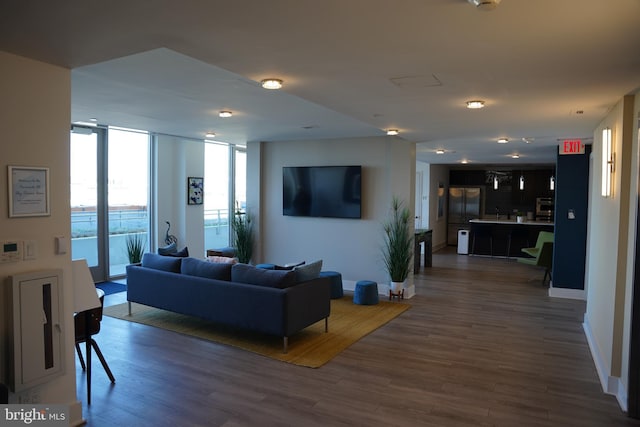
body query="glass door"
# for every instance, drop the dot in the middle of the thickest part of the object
(87, 221)
(109, 197)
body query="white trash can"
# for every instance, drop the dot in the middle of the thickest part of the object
(463, 242)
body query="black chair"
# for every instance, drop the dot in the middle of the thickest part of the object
(482, 232)
(87, 324)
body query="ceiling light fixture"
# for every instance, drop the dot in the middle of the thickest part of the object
(485, 5)
(225, 113)
(475, 104)
(503, 140)
(515, 156)
(464, 161)
(210, 135)
(439, 151)
(271, 83)
(392, 132)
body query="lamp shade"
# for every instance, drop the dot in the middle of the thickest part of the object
(85, 296)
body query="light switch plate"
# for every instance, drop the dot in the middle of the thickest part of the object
(30, 251)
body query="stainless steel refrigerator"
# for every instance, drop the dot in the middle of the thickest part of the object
(465, 203)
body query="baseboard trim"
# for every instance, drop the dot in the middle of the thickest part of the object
(567, 293)
(610, 384)
(75, 414)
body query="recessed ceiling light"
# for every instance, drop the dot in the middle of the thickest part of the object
(225, 113)
(93, 119)
(271, 83)
(503, 140)
(393, 132)
(475, 104)
(439, 151)
(210, 135)
(464, 161)
(515, 156)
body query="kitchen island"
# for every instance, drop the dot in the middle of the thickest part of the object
(501, 237)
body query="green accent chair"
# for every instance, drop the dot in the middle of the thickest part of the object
(541, 254)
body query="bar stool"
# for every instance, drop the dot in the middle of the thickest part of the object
(482, 232)
(520, 233)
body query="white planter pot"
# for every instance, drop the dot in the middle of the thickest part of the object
(520, 219)
(396, 287)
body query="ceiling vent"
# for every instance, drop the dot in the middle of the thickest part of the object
(485, 5)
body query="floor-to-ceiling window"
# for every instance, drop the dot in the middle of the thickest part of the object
(225, 190)
(109, 196)
(216, 195)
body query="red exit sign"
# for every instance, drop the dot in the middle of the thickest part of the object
(572, 146)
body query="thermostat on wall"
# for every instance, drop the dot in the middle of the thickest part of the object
(11, 251)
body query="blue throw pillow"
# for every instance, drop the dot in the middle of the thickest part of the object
(159, 262)
(308, 271)
(181, 254)
(244, 273)
(210, 270)
(172, 248)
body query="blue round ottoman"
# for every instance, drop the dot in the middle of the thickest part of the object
(336, 283)
(266, 266)
(366, 293)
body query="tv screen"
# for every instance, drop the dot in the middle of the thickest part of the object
(322, 191)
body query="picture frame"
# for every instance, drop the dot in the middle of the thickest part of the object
(195, 191)
(28, 189)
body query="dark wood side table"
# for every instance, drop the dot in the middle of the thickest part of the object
(426, 237)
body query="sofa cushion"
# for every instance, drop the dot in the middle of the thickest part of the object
(160, 262)
(308, 271)
(244, 273)
(210, 270)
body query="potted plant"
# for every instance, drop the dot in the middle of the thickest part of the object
(398, 246)
(135, 248)
(242, 235)
(520, 217)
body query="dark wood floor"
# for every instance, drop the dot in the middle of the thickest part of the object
(482, 345)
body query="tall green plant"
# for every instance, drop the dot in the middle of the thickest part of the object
(135, 248)
(398, 247)
(242, 236)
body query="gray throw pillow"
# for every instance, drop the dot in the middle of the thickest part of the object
(210, 270)
(159, 262)
(308, 271)
(169, 249)
(244, 273)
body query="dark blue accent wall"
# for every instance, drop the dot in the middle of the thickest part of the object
(570, 240)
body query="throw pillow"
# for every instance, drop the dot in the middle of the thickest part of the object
(209, 270)
(308, 271)
(245, 273)
(168, 249)
(221, 259)
(160, 262)
(288, 266)
(181, 254)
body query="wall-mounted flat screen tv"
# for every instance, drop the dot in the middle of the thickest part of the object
(322, 191)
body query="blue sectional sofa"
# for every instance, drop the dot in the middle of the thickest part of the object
(239, 295)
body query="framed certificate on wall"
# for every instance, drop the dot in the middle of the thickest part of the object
(28, 191)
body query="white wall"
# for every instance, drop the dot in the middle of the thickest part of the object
(610, 252)
(349, 246)
(178, 159)
(35, 115)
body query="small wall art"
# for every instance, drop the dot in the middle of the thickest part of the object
(195, 193)
(28, 191)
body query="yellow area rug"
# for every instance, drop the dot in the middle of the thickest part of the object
(311, 347)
